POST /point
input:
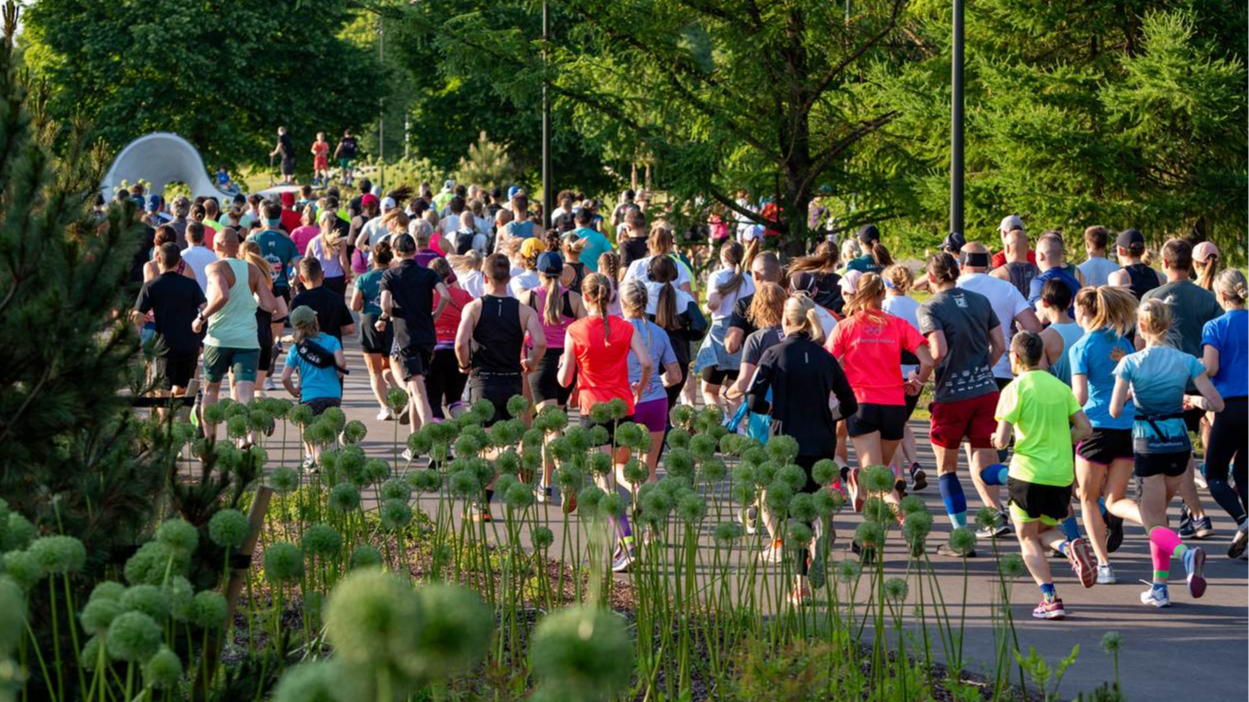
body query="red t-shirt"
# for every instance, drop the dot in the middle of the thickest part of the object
(448, 323)
(602, 364)
(999, 258)
(871, 356)
(291, 220)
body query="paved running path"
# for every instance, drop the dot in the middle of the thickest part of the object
(1195, 648)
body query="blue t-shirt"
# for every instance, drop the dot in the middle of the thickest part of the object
(278, 249)
(1034, 287)
(1095, 356)
(1230, 335)
(1158, 376)
(596, 245)
(370, 287)
(660, 348)
(316, 382)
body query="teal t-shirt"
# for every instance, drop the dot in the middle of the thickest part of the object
(370, 287)
(1158, 375)
(314, 382)
(278, 249)
(596, 245)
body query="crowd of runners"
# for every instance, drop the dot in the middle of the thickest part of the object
(1077, 387)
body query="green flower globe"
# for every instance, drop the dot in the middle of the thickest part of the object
(1112, 641)
(151, 562)
(397, 399)
(728, 532)
(619, 408)
(896, 590)
(519, 496)
(284, 480)
(99, 614)
(916, 527)
(365, 556)
(600, 413)
(869, 534)
(912, 504)
(181, 598)
(209, 609)
(714, 470)
(517, 406)
(963, 541)
(395, 515)
(878, 479)
(691, 508)
(370, 618)
(58, 555)
(355, 431)
(464, 484)
(163, 670)
(324, 680)
(1012, 566)
(18, 532)
(877, 510)
(420, 443)
(599, 436)
(322, 540)
(611, 505)
(89, 657)
(284, 563)
(228, 528)
(802, 507)
(782, 449)
(986, 518)
(216, 414)
(149, 599)
(237, 426)
(793, 476)
(582, 653)
(344, 498)
(681, 416)
(679, 439)
(778, 496)
(599, 463)
(133, 637)
(507, 462)
(828, 501)
(376, 470)
(335, 418)
(680, 463)
(107, 590)
(587, 501)
(453, 635)
(703, 447)
(178, 535)
(800, 535)
(425, 480)
(543, 537)
(395, 489)
(635, 472)
(848, 571)
(825, 471)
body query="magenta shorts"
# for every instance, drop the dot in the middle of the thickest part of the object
(652, 414)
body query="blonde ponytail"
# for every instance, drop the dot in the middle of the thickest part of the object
(550, 307)
(801, 315)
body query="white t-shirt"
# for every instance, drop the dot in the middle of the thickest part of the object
(373, 231)
(907, 309)
(652, 298)
(640, 269)
(198, 258)
(1007, 304)
(473, 282)
(524, 282)
(722, 277)
(1097, 270)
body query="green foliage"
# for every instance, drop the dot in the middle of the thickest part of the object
(224, 75)
(488, 164)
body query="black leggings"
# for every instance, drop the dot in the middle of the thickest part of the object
(1229, 447)
(444, 383)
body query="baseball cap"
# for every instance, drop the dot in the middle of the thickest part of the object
(514, 191)
(368, 199)
(388, 203)
(868, 233)
(404, 243)
(153, 203)
(850, 282)
(288, 199)
(1129, 237)
(953, 243)
(1010, 223)
(531, 247)
(1203, 251)
(303, 315)
(550, 263)
(448, 185)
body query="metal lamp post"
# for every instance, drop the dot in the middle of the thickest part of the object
(548, 198)
(956, 122)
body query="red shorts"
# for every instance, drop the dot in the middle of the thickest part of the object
(964, 419)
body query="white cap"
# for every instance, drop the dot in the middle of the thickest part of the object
(388, 203)
(850, 282)
(1010, 223)
(448, 185)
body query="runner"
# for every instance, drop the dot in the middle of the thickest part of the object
(1051, 260)
(660, 245)
(1191, 308)
(596, 355)
(281, 253)
(573, 247)
(823, 266)
(318, 359)
(468, 270)
(675, 312)
(1206, 263)
(320, 160)
(716, 366)
(333, 316)
(898, 281)
(1225, 354)
(308, 230)
(330, 250)
(1010, 307)
(1156, 378)
(876, 257)
(265, 319)
(1134, 272)
(445, 383)
(869, 344)
(1006, 230)
(174, 301)
(375, 343)
(1097, 268)
(285, 150)
(557, 308)
(652, 410)
(231, 343)
(407, 298)
(793, 383)
(1104, 459)
(198, 256)
(633, 245)
(965, 340)
(766, 268)
(1062, 331)
(1018, 266)
(1041, 411)
(345, 152)
(595, 243)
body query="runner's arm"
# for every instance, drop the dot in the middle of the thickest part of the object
(1214, 401)
(1080, 387)
(464, 335)
(1119, 399)
(1210, 359)
(1081, 429)
(733, 339)
(268, 302)
(1001, 437)
(536, 337)
(218, 290)
(357, 300)
(567, 363)
(1027, 321)
(638, 347)
(937, 346)
(288, 372)
(444, 299)
(997, 344)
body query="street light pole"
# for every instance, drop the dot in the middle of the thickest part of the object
(381, 105)
(548, 198)
(956, 122)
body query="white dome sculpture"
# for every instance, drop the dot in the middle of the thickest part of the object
(161, 158)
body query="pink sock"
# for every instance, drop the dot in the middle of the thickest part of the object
(1165, 539)
(1160, 558)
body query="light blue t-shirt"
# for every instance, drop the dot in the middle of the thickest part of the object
(1061, 367)
(596, 245)
(660, 348)
(316, 382)
(1158, 375)
(1096, 270)
(370, 287)
(1230, 335)
(1095, 356)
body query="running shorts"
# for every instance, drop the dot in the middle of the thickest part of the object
(497, 390)
(889, 420)
(970, 419)
(320, 404)
(218, 361)
(1105, 446)
(177, 369)
(1031, 502)
(414, 360)
(714, 375)
(544, 381)
(652, 414)
(372, 340)
(1168, 464)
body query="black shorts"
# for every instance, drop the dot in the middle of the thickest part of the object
(544, 381)
(715, 375)
(1003, 382)
(285, 294)
(414, 360)
(610, 426)
(1105, 446)
(372, 340)
(889, 420)
(912, 401)
(497, 390)
(320, 404)
(1168, 464)
(1047, 503)
(177, 369)
(288, 166)
(264, 332)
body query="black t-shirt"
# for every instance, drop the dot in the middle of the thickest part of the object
(801, 376)
(332, 312)
(632, 249)
(739, 318)
(966, 318)
(285, 148)
(175, 300)
(411, 286)
(147, 241)
(347, 147)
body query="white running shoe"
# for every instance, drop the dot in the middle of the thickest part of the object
(1156, 596)
(1105, 574)
(385, 415)
(269, 384)
(774, 553)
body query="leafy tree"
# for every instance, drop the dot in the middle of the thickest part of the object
(222, 73)
(487, 164)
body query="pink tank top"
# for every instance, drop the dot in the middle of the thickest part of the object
(554, 333)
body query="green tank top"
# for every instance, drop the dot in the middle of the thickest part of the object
(234, 325)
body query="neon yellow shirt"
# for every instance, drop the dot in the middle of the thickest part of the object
(1040, 406)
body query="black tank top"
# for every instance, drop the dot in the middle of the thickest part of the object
(498, 337)
(1142, 277)
(578, 275)
(1020, 274)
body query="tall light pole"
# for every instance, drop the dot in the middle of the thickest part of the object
(956, 122)
(548, 197)
(381, 105)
